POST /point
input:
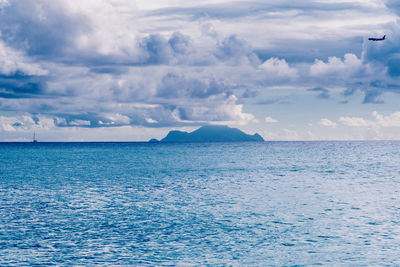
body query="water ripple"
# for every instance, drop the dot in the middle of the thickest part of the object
(270, 204)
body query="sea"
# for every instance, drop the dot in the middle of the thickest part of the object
(200, 204)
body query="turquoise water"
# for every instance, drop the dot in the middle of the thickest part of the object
(240, 204)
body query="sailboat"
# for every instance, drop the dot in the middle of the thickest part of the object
(34, 138)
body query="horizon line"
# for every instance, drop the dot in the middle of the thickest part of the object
(265, 141)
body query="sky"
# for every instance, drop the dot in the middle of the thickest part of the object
(122, 70)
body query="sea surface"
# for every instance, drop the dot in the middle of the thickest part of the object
(205, 204)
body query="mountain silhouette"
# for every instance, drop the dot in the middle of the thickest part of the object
(213, 133)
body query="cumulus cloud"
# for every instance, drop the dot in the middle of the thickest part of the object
(79, 123)
(28, 122)
(13, 61)
(327, 122)
(278, 68)
(235, 50)
(96, 64)
(175, 85)
(118, 119)
(379, 120)
(369, 74)
(228, 111)
(270, 120)
(158, 50)
(356, 121)
(349, 66)
(150, 120)
(391, 120)
(11, 124)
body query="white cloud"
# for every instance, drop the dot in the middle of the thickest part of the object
(25, 122)
(150, 120)
(336, 66)
(79, 123)
(270, 120)
(3, 3)
(12, 61)
(117, 118)
(117, 52)
(6, 124)
(356, 121)
(327, 123)
(391, 120)
(215, 111)
(276, 67)
(16, 123)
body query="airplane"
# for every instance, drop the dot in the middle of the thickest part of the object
(377, 39)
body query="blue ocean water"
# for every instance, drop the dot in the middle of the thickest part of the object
(215, 204)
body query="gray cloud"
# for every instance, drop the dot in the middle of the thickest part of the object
(309, 50)
(393, 5)
(271, 101)
(19, 85)
(323, 93)
(233, 49)
(178, 86)
(41, 28)
(250, 93)
(180, 73)
(254, 8)
(158, 50)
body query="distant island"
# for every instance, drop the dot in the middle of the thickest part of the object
(213, 133)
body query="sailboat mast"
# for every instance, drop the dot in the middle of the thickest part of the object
(34, 138)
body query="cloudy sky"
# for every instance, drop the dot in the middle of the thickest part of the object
(122, 70)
